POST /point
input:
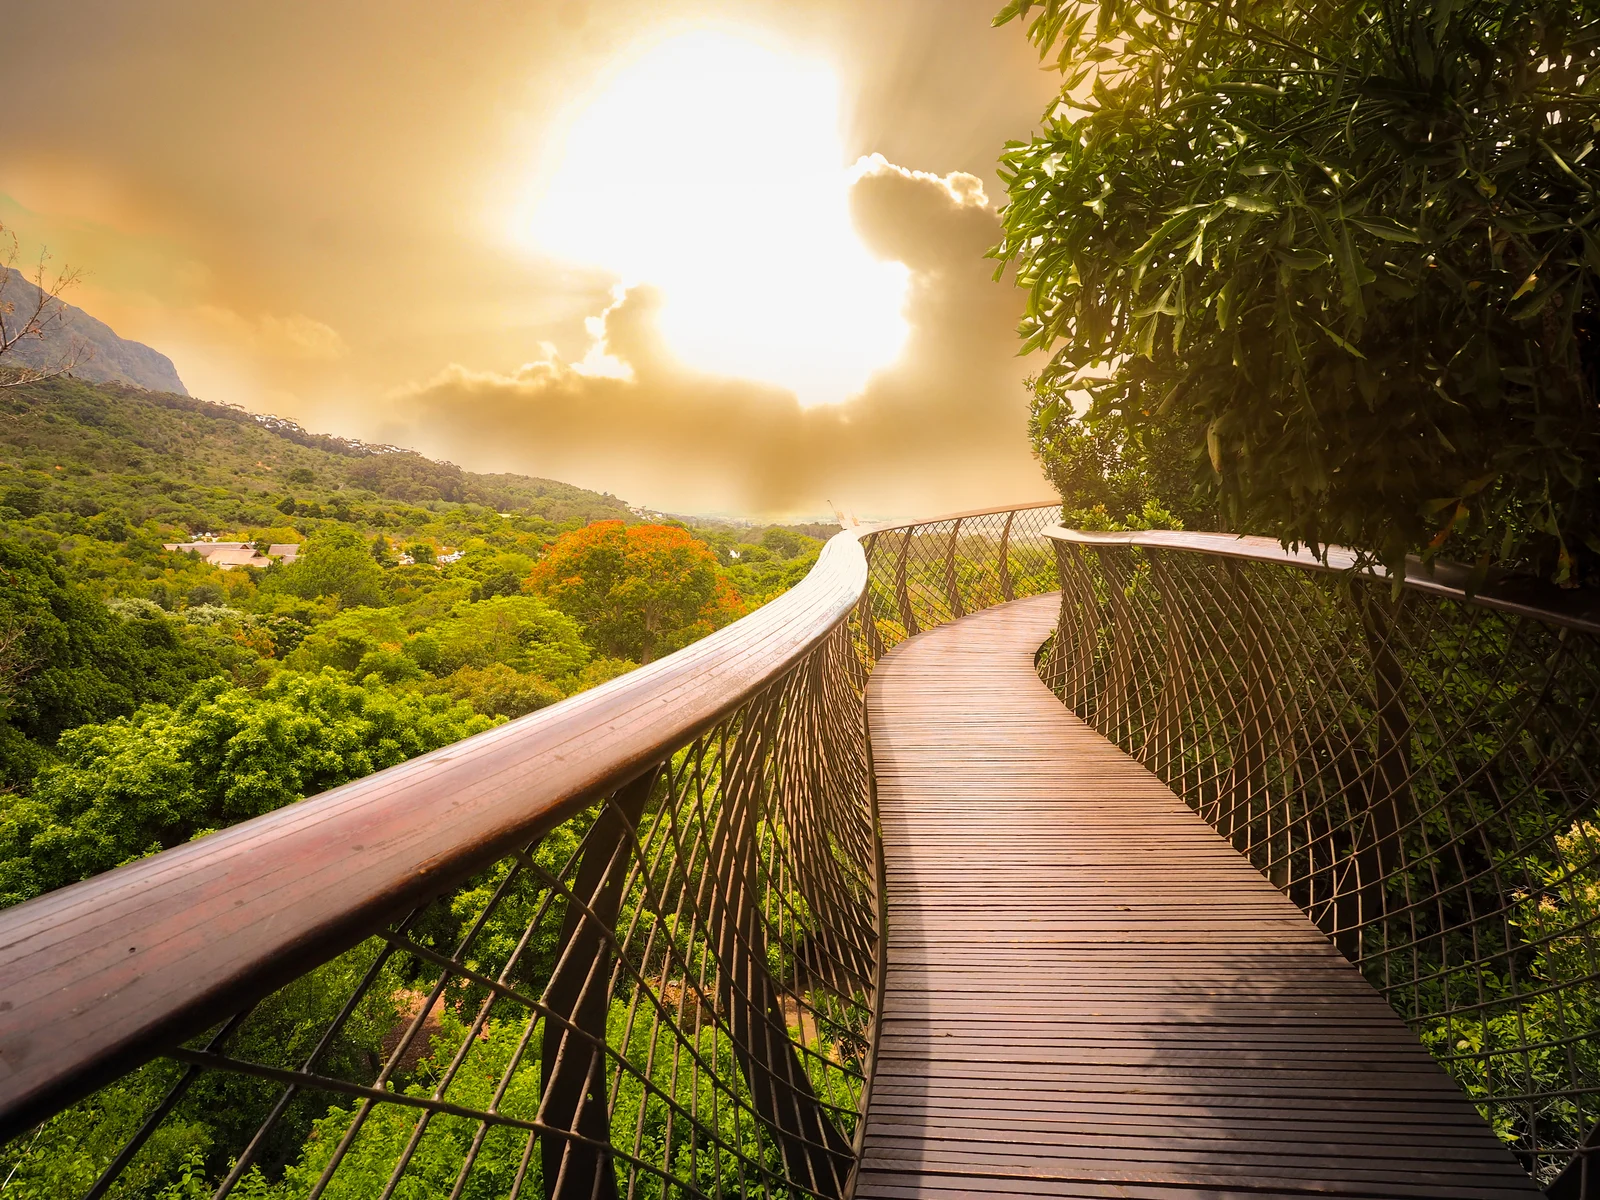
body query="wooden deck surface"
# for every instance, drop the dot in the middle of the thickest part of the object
(1090, 994)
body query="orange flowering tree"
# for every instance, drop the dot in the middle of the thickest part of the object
(640, 591)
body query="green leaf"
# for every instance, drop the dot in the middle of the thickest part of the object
(1145, 343)
(1250, 203)
(1351, 270)
(1251, 89)
(1439, 170)
(1561, 163)
(1013, 10)
(1389, 231)
(1227, 300)
(1301, 260)
(1339, 341)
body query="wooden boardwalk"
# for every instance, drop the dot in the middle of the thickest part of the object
(1090, 994)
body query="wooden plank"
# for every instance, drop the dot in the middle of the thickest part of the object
(1090, 994)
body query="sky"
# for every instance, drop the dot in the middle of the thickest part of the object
(713, 257)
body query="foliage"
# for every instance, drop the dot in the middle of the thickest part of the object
(270, 685)
(66, 659)
(341, 641)
(524, 632)
(1150, 516)
(1338, 256)
(758, 578)
(640, 591)
(96, 480)
(541, 647)
(498, 573)
(1126, 471)
(442, 1150)
(168, 457)
(497, 690)
(336, 562)
(64, 1156)
(1538, 1046)
(220, 1112)
(139, 784)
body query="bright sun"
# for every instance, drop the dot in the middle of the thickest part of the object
(711, 167)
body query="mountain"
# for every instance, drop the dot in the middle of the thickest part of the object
(106, 358)
(74, 448)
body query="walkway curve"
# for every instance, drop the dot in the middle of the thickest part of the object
(1091, 994)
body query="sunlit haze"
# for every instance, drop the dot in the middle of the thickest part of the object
(711, 166)
(711, 256)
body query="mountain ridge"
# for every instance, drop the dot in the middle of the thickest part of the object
(199, 465)
(110, 358)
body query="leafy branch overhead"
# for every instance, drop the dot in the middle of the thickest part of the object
(1342, 256)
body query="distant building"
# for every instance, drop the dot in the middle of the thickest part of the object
(229, 555)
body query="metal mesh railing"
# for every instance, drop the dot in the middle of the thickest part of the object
(1416, 770)
(920, 576)
(666, 988)
(668, 994)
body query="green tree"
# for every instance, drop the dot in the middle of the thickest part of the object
(497, 690)
(1105, 474)
(344, 639)
(129, 787)
(1334, 259)
(639, 590)
(785, 543)
(499, 574)
(523, 632)
(65, 658)
(336, 561)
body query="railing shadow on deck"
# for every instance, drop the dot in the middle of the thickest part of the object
(1413, 766)
(628, 945)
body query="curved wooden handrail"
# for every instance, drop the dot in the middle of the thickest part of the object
(1523, 597)
(964, 515)
(98, 972)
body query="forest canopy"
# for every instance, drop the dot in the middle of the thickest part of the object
(148, 696)
(391, 605)
(643, 590)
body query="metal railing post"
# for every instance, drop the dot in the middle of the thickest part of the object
(814, 1152)
(902, 591)
(1007, 590)
(952, 591)
(574, 1058)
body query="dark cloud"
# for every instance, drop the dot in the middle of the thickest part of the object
(943, 428)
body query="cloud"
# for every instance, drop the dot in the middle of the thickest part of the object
(384, 203)
(295, 337)
(943, 428)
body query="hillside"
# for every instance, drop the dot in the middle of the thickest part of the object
(106, 358)
(379, 605)
(152, 544)
(81, 450)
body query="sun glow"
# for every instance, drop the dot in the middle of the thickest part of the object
(711, 167)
